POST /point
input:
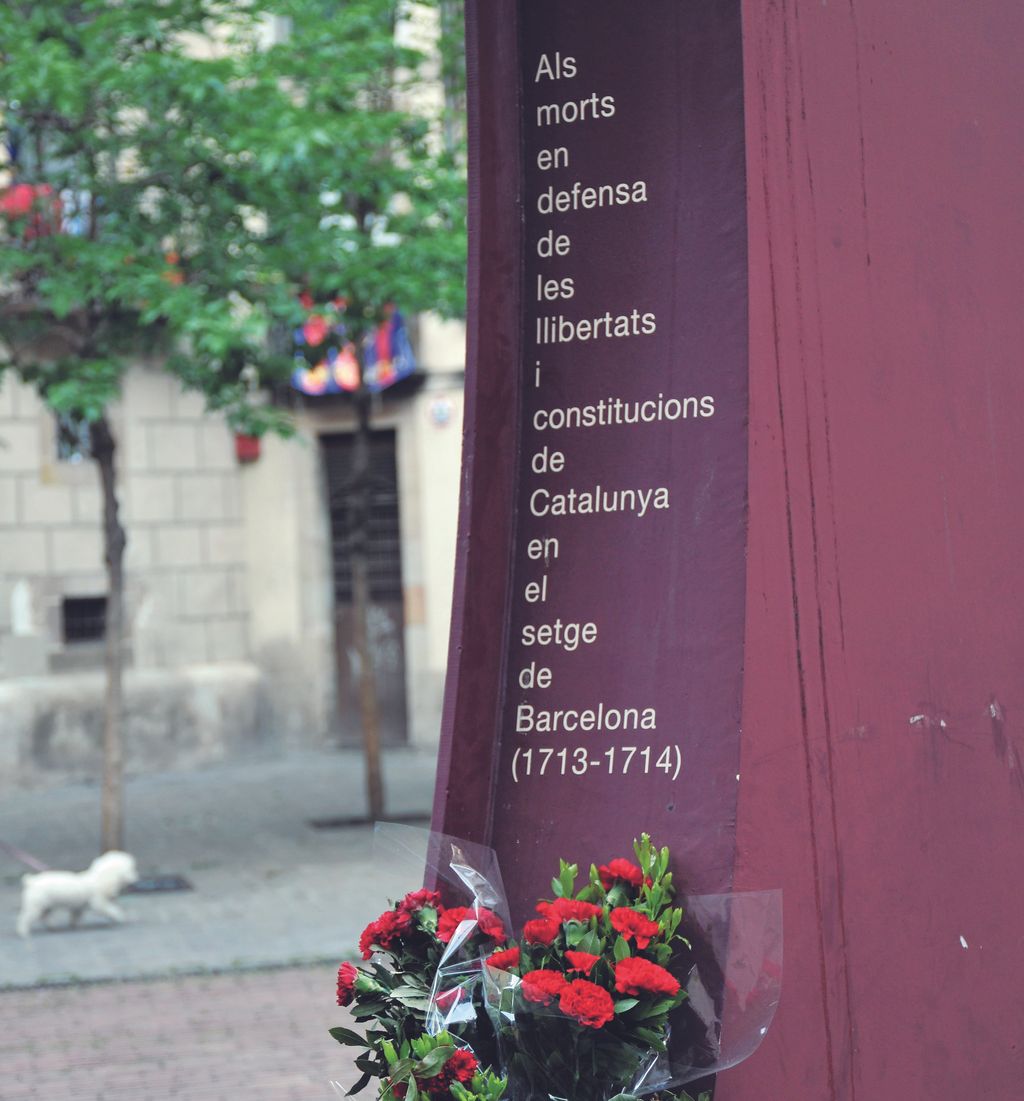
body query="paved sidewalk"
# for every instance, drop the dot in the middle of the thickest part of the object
(269, 889)
(257, 1036)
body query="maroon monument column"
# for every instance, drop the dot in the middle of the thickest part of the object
(882, 773)
(602, 553)
(821, 633)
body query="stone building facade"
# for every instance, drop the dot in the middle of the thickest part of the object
(235, 638)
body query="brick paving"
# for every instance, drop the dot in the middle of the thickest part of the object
(257, 1036)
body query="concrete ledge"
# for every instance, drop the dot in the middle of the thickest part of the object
(51, 727)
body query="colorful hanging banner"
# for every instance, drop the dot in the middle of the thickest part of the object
(325, 359)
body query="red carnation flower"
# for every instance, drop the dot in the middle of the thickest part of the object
(450, 920)
(347, 975)
(367, 939)
(417, 900)
(540, 931)
(461, 1067)
(620, 869)
(382, 933)
(570, 909)
(639, 976)
(581, 961)
(542, 987)
(631, 923)
(488, 924)
(504, 960)
(587, 1003)
(392, 924)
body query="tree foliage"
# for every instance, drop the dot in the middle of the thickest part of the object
(182, 174)
(189, 170)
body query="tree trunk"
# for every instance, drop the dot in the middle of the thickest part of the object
(359, 557)
(114, 542)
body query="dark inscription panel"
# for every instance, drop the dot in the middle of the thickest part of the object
(624, 651)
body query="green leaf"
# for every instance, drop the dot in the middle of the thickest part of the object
(347, 1036)
(372, 1008)
(657, 1009)
(413, 999)
(621, 949)
(591, 942)
(567, 874)
(400, 1068)
(574, 933)
(662, 954)
(623, 1005)
(651, 1036)
(363, 1082)
(432, 1062)
(408, 987)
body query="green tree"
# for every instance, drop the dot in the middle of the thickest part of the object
(180, 171)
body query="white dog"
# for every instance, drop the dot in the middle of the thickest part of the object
(95, 888)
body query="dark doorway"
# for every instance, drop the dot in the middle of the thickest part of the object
(386, 619)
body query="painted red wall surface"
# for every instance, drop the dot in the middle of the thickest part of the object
(883, 719)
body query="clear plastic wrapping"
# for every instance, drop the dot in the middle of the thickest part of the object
(577, 1029)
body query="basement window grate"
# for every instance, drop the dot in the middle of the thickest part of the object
(84, 618)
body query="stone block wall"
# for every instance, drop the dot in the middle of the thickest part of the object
(226, 566)
(51, 728)
(181, 501)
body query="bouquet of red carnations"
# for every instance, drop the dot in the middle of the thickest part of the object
(395, 1000)
(602, 996)
(581, 1005)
